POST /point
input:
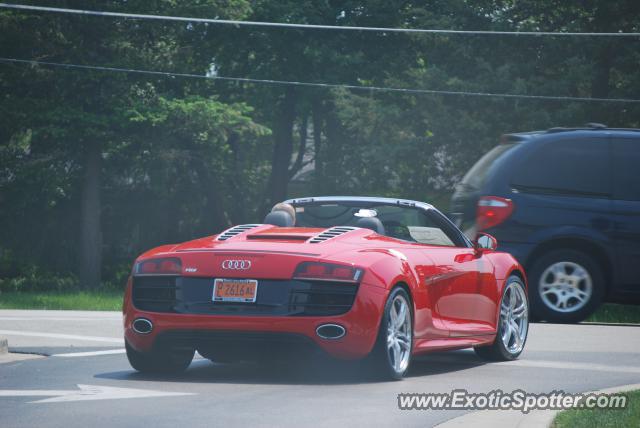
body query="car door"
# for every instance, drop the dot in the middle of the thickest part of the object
(461, 284)
(626, 212)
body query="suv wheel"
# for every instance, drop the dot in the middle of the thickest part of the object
(566, 286)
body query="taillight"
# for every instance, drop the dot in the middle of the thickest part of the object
(327, 272)
(165, 266)
(492, 210)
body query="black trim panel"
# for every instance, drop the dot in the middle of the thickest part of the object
(191, 295)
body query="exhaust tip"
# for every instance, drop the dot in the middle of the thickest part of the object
(330, 331)
(142, 326)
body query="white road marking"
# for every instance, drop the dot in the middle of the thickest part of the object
(61, 319)
(571, 365)
(91, 354)
(61, 336)
(88, 392)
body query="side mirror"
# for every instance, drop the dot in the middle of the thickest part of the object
(484, 242)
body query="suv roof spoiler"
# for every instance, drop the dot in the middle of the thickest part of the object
(521, 136)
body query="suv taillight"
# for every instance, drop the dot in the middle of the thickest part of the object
(492, 210)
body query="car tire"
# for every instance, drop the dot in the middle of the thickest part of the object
(389, 358)
(513, 324)
(156, 361)
(576, 275)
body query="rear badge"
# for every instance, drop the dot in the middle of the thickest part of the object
(191, 269)
(236, 264)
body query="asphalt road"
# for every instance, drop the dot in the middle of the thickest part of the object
(44, 391)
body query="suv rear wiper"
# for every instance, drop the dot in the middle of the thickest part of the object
(466, 186)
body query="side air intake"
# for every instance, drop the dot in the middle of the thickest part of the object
(331, 233)
(235, 230)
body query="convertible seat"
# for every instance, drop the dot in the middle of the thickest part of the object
(279, 218)
(372, 223)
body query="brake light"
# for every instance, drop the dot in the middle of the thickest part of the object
(492, 210)
(165, 266)
(327, 272)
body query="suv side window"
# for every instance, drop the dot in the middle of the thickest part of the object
(626, 162)
(573, 167)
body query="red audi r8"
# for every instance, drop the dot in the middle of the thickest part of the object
(355, 277)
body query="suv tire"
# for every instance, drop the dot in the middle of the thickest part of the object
(565, 286)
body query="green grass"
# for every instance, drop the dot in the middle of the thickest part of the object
(78, 300)
(612, 313)
(112, 301)
(602, 418)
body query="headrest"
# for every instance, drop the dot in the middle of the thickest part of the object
(279, 218)
(372, 223)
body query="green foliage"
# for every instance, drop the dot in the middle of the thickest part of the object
(35, 279)
(614, 313)
(77, 300)
(602, 418)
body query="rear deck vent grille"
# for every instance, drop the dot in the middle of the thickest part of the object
(276, 237)
(331, 233)
(235, 230)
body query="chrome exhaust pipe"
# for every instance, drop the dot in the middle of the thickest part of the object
(330, 331)
(142, 326)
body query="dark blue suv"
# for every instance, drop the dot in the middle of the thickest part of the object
(566, 203)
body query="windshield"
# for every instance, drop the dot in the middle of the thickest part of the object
(477, 175)
(407, 223)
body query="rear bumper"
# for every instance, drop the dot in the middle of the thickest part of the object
(361, 325)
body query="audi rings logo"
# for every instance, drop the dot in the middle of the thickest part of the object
(236, 264)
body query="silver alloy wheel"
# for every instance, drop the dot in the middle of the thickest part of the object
(565, 287)
(399, 335)
(514, 317)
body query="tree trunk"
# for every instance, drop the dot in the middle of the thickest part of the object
(214, 218)
(333, 151)
(603, 57)
(302, 147)
(90, 234)
(238, 213)
(602, 70)
(318, 171)
(283, 147)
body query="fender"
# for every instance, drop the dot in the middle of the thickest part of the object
(592, 236)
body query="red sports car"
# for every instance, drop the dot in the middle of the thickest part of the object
(355, 277)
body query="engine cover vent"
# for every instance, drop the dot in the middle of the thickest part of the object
(235, 230)
(331, 233)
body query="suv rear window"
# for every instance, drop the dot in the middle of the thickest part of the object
(477, 175)
(576, 167)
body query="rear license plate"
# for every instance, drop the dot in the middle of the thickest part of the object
(235, 290)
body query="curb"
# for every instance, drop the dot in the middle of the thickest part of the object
(515, 418)
(10, 357)
(611, 324)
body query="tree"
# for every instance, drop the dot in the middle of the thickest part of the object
(78, 116)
